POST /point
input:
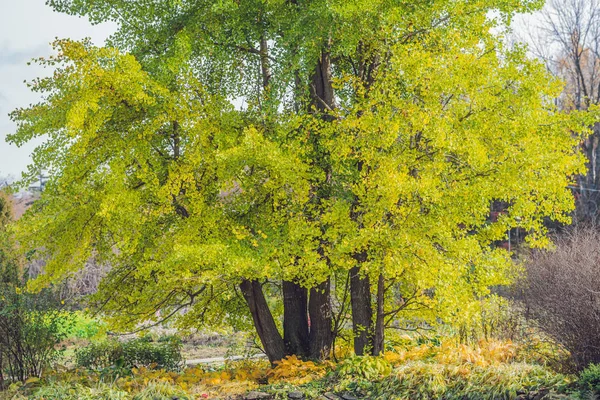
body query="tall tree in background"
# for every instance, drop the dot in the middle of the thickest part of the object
(568, 41)
(357, 175)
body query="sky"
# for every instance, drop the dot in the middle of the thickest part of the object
(27, 27)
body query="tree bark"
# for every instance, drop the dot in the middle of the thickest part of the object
(362, 313)
(295, 319)
(379, 337)
(323, 98)
(319, 308)
(263, 320)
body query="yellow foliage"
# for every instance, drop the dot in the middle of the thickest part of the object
(450, 352)
(235, 378)
(293, 370)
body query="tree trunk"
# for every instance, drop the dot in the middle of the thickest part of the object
(323, 98)
(263, 320)
(319, 308)
(362, 313)
(295, 319)
(264, 62)
(378, 340)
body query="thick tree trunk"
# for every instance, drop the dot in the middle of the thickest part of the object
(319, 305)
(378, 340)
(263, 320)
(362, 313)
(295, 319)
(319, 308)
(322, 88)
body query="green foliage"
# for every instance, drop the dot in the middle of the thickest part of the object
(162, 391)
(67, 391)
(133, 353)
(428, 120)
(364, 368)
(589, 380)
(434, 381)
(77, 325)
(31, 327)
(84, 327)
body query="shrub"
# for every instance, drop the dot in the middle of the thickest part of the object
(31, 327)
(30, 324)
(589, 380)
(166, 355)
(127, 355)
(100, 355)
(561, 292)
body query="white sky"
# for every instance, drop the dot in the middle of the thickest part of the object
(27, 27)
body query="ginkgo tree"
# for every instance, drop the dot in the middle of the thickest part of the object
(264, 158)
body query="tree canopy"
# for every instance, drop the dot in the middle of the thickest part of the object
(216, 146)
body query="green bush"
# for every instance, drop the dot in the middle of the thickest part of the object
(82, 326)
(134, 353)
(589, 380)
(31, 327)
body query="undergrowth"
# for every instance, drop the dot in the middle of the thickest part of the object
(432, 370)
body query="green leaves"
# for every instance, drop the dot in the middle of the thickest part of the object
(158, 170)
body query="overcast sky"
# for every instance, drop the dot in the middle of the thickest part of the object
(27, 27)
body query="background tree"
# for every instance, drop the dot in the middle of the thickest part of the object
(568, 42)
(372, 140)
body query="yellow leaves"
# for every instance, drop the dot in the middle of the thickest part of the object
(233, 378)
(484, 353)
(293, 370)
(240, 232)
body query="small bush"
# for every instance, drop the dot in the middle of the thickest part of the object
(31, 327)
(127, 355)
(589, 380)
(562, 292)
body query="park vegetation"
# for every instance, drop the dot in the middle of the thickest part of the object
(335, 178)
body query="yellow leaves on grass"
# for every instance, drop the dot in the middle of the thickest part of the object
(235, 378)
(295, 371)
(485, 353)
